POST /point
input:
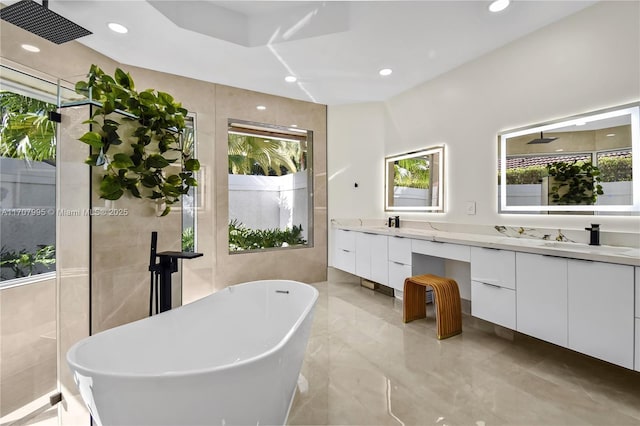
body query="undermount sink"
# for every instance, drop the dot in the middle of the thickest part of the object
(565, 245)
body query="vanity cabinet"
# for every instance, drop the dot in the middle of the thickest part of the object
(493, 284)
(601, 310)
(344, 253)
(372, 257)
(541, 297)
(399, 263)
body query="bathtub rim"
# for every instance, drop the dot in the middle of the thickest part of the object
(187, 373)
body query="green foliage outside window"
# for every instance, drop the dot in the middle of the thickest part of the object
(243, 238)
(612, 169)
(412, 173)
(26, 131)
(251, 155)
(24, 264)
(615, 169)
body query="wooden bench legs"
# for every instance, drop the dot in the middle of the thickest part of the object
(446, 301)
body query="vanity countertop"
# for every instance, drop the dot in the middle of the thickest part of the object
(602, 253)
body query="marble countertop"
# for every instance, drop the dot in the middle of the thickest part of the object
(602, 253)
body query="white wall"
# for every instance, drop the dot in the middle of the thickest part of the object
(588, 61)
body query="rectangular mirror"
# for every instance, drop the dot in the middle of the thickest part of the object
(415, 181)
(582, 165)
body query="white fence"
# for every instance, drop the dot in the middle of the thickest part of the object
(269, 202)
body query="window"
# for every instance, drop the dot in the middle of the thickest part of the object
(190, 200)
(27, 177)
(270, 187)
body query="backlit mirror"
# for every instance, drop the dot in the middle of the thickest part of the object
(583, 164)
(415, 181)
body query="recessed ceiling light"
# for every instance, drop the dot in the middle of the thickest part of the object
(580, 123)
(30, 48)
(290, 79)
(385, 72)
(498, 5)
(609, 135)
(261, 107)
(118, 28)
(294, 125)
(559, 150)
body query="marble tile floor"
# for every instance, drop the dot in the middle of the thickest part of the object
(363, 366)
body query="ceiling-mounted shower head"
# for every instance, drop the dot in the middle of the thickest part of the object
(41, 21)
(542, 139)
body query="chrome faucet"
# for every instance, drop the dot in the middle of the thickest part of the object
(594, 234)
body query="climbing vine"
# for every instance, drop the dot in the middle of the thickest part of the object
(138, 162)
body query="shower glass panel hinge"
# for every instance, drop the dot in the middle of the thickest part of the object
(55, 398)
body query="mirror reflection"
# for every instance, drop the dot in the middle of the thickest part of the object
(582, 164)
(414, 181)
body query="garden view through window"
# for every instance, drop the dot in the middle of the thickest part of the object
(270, 186)
(27, 183)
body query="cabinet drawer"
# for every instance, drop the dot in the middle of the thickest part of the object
(398, 272)
(345, 260)
(445, 250)
(400, 250)
(494, 304)
(493, 266)
(346, 240)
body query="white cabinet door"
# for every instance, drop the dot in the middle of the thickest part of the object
(493, 266)
(637, 362)
(541, 297)
(637, 366)
(494, 303)
(400, 250)
(380, 259)
(601, 319)
(363, 254)
(637, 291)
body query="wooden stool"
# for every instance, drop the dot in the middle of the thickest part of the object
(446, 301)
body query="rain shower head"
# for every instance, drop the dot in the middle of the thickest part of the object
(542, 139)
(39, 20)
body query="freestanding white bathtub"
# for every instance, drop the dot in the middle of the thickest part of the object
(230, 358)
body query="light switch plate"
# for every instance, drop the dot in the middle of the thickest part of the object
(471, 207)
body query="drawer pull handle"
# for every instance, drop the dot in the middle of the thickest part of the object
(346, 251)
(397, 236)
(397, 263)
(492, 285)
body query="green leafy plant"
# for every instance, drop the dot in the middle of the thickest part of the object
(615, 169)
(243, 238)
(188, 240)
(251, 155)
(525, 175)
(412, 173)
(23, 263)
(137, 163)
(26, 131)
(575, 183)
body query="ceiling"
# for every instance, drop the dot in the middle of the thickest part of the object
(334, 48)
